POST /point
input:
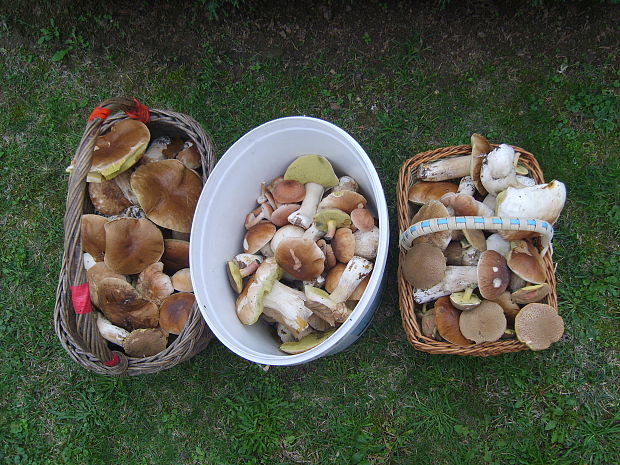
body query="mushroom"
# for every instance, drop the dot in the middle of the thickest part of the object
(498, 171)
(476, 238)
(328, 252)
(107, 197)
(284, 233)
(121, 303)
(465, 300)
(265, 294)
(316, 173)
(153, 284)
(284, 333)
(280, 215)
(428, 325)
(447, 322)
(362, 219)
(175, 310)
(333, 278)
(288, 191)
(346, 183)
(168, 193)
(182, 281)
(347, 201)
(367, 243)
(329, 219)
(525, 261)
(456, 254)
(132, 244)
(538, 326)
(530, 294)
(422, 192)
(496, 242)
(300, 257)
(485, 323)
(433, 209)
(489, 200)
(236, 272)
(466, 205)
(493, 275)
(137, 343)
(162, 148)
(97, 273)
(480, 147)
(445, 168)
(306, 343)
(261, 213)
(456, 278)
(466, 186)
(354, 273)
(117, 150)
(189, 156)
(510, 308)
(92, 235)
(318, 323)
(313, 233)
(343, 245)
(175, 256)
(424, 266)
(257, 237)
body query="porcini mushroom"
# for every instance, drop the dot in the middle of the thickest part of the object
(182, 281)
(362, 219)
(345, 201)
(530, 294)
(132, 244)
(525, 261)
(175, 256)
(121, 303)
(189, 155)
(343, 245)
(455, 279)
(329, 219)
(168, 193)
(306, 343)
(92, 235)
(493, 275)
(97, 273)
(424, 266)
(300, 257)
(422, 192)
(137, 343)
(476, 238)
(510, 308)
(288, 191)
(280, 215)
(257, 237)
(175, 311)
(538, 326)
(107, 197)
(346, 183)
(480, 147)
(284, 233)
(153, 284)
(485, 323)
(456, 254)
(367, 243)
(444, 168)
(447, 322)
(498, 172)
(465, 300)
(433, 209)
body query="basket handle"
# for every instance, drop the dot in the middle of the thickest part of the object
(494, 223)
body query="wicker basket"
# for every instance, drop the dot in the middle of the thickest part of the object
(411, 326)
(78, 333)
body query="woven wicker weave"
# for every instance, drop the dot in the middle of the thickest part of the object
(78, 334)
(411, 326)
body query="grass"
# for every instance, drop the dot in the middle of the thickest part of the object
(379, 402)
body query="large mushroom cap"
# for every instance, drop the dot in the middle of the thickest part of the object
(343, 244)
(424, 266)
(312, 168)
(258, 236)
(422, 192)
(433, 209)
(525, 261)
(493, 275)
(97, 273)
(485, 323)
(182, 281)
(92, 233)
(168, 193)
(447, 321)
(538, 326)
(132, 244)
(175, 311)
(300, 257)
(288, 191)
(530, 294)
(175, 256)
(145, 342)
(107, 197)
(120, 148)
(121, 303)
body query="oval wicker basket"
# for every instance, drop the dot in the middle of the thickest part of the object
(78, 333)
(408, 305)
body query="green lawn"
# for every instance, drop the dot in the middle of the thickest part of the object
(401, 80)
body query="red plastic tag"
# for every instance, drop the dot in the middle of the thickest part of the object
(140, 112)
(80, 297)
(115, 360)
(99, 112)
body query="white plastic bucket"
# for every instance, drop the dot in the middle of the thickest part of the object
(230, 193)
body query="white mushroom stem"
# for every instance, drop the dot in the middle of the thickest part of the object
(367, 243)
(489, 201)
(526, 181)
(354, 273)
(498, 170)
(305, 215)
(542, 201)
(444, 169)
(456, 279)
(466, 186)
(89, 261)
(109, 331)
(496, 242)
(313, 233)
(286, 306)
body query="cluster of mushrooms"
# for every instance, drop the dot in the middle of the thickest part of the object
(308, 253)
(136, 244)
(474, 286)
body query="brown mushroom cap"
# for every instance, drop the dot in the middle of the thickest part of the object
(182, 281)
(168, 193)
(479, 148)
(433, 209)
(343, 244)
(423, 191)
(525, 261)
(347, 201)
(92, 234)
(120, 148)
(121, 303)
(424, 266)
(280, 215)
(175, 256)
(493, 275)
(510, 308)
(362, 219)
(333, 278)
(145, 342)
(107, 197)
(175, 311)
(258, 236)
(189, 156)
(530, 294)
(538, 326)
(485, 323)
(132, 244)
(447, 321)
(97, 273)
(301, 258)
(288, 191)
(476, 238)
(153, 284)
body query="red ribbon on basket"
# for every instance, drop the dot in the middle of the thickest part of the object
(115, 360)
(99, 112)
(80, 297)
(140, 112)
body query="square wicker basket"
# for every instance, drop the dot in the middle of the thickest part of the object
(407, 176)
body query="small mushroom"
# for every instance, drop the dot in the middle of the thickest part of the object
(433, 209)
(132, 244)
(476, 238)
(153, 284)
(496, 242)
(280, 215)
(107, 197)
(367, 243)
(538, 326)
(257, 237)
(428, 325)
(137, 343)
(447, 322)
(456, 254)
(343, 245)
(92, 235)
(300, 257)
(424, 266)
(466, 186)
(362, 219)
(525, 261)
(162, 148)
(333, 278)
(261, 213)
(510, 308)
(485, 323)
(493, 275)
(480, 147)
(530, 294)
(346, 201)
(422, 192)
(456, 279)
(175, 256)
(182, 281)
(498, 172)
(175, 310)
(346, 183)
(328, 252)
(189, 156)
(288, 191)
(329, 219)
(466, 205)
(306, 343)
(465, 300)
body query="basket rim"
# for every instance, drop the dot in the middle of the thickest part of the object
(408, 305)
(78, 333)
